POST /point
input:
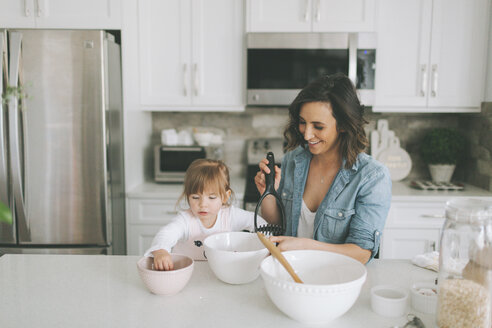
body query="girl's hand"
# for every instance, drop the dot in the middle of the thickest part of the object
(162, 260)
(286, 243)
(260, 176)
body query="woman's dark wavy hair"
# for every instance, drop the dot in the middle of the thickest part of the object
(339, 91)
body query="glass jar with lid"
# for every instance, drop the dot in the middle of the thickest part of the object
(465, 265)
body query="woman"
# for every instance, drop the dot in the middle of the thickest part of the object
(336, 197)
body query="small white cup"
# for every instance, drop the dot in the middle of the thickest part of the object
(424, 302)
(389, 301)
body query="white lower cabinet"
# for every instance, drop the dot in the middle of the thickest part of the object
(412, 228)
(145, 217)
(406, 243)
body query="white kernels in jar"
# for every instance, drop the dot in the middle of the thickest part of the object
(463, 304)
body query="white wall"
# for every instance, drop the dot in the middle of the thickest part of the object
(138, 124)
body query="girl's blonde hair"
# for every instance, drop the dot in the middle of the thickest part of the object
(207, 174)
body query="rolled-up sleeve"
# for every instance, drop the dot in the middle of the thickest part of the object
(371, 210)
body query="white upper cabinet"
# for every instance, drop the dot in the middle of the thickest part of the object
(191, 55)
(60, 14)
(431, 55)
(310, 15)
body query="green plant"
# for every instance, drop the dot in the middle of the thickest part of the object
(443, 146)
(5, 215)
(18, 92)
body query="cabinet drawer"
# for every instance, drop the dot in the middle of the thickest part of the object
(416, 214)
(406, 243)
(151, 211)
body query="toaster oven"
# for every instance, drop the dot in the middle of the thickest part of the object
(171, 162)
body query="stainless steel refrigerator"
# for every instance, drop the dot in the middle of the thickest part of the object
(61, 142)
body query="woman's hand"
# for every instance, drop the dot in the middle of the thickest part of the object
(260, 176)
(286, 243)
(162, 260)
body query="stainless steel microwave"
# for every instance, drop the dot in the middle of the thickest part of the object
(279, 65)
(171, 162)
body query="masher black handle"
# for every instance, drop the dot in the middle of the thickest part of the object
(270, 177)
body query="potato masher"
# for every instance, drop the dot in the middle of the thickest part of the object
(270, 229)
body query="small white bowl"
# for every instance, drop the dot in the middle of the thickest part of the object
(235, 257)
(424, 297)
(389, 301)
(166, 282)
(332, 284)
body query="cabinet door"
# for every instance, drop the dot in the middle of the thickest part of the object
(151, 211)
(78, 14)
(343, 16)
(164, 32)
(279, 15)
(217, 53)
(458, 53)
(140, 238)
(17, 14)
(402, 58)
(406, 243)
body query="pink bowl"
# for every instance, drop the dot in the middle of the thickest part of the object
(166, 282)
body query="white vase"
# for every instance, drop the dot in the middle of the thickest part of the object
(441, 172)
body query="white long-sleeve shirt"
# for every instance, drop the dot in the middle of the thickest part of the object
(179, 228)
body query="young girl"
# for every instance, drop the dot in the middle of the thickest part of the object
(208, 193)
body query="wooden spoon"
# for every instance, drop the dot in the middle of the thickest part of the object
(278, 255)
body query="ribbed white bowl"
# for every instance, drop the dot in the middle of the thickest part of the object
(166, 282)
(235, 257)
(332, 284)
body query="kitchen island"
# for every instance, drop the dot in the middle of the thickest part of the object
(106, 291)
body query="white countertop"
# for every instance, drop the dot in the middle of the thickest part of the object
(401, 191)
(106, 291)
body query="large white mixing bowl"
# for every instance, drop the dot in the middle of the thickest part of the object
(235, 257)
(332, 284)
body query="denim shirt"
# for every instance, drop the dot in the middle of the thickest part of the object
(353, 211)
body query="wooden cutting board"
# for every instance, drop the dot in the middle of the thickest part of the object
(396, 159)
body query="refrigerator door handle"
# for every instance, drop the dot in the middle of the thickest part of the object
(3, 146)
(15, 138)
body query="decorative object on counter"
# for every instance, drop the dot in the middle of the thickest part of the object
(332, 284)
(385, 147)
(427, 260)
(235, 257)
(465, 275)
(208, 136)
(166, 282)
(389, 300)
(171, 137)
(424, 297)
(431, 185)
(5, 214)
(442, 149)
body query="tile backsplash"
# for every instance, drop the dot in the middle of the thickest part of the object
(409, 128)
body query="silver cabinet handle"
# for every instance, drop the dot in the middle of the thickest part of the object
(196, 82)
(431, 245)
(39, 4)
(171, 212)
(27, 10)
(423, 73)
(306, 11)
(433, 216)
(434, 80)
(185, 90)
(318, 12)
